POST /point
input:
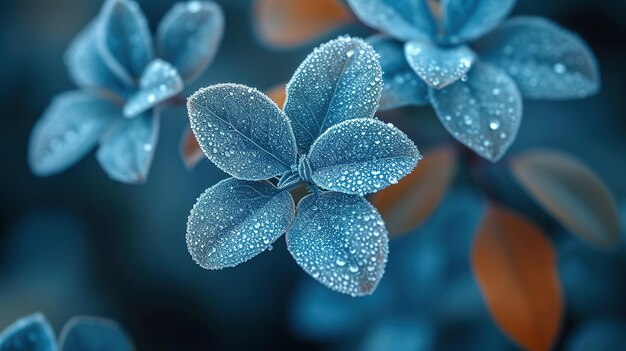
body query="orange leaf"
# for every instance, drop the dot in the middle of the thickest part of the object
(278, 94)
(288, 23)
(515, 266)
(190, 149)
(571, 193)
(406, 205)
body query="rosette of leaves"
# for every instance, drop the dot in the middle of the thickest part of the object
(325, 138)
(34, 333)
(125, 77)
(458, 56)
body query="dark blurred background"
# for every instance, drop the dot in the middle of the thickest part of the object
(79, 243)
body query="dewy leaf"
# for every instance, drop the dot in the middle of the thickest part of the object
(126, 151)
(124, 39)
(545, 60)
(288, 23)
(31, 333)
(86, 67)
(483, 113)
(341, 241)
(159, 82)
(402, 19)
(570, 192)
(515, 266)
(242, 131)
(340, 80)
(236, 220)
(406, 205)
(93, 334)
(189, 36)
(68, 130)
(438, 66)
(464, 20)
(361, 156)
(402, 85)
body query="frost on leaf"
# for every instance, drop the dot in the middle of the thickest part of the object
(236, 220)
(93, 334)
(439, 66)
(128, 148)
(159, 82)
(341, 241)
(402, 85)
(545, 60)
(31, 333)
(68, 130)
(340, 80)
(242, 131)
(189, 35)
(361, 156)
(483, 113)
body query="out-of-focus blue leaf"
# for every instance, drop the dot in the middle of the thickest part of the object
(402, 19)
(341, 241)
(464, 20)
(598, 335)
(69, 129)
(124, 39)
(439, 66)
(340, 80)
(189, 35)
(321, 314)
(401, 333)
(483, 113)
(545, 60)
(402, 86)
(126, 151)
(93, 334)
(159, 82)
(85, 64)
(242, 131)
(31, 333)
(361, 156)
(236, 220)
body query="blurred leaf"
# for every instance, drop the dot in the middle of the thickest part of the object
(467, 20)
(289, 23)
(515, 266)
(570, 192)
(93, 334)
(30, 333)
(190, 150)
(439, 66)
(406, 205)
(159, 82)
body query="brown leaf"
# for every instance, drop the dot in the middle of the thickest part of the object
(515, 266)
(571, 193)
(190, 149)
(288, 23)
(407, 204)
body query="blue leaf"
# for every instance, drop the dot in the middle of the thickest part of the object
(86, 67)
(288, 179)
(439, 66)
(189, 36)
(606, 334)
(236, 220)
(242, 131)
(159, 82)
(402, 86)
(483, 113)
(545, 60)
(31, 333)
(68, 130)
(94, 334)
(361, 156)
(402, 19)
(464, 20)
(124, 39)
(340, 80)
(341, 241)
(127, 149)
